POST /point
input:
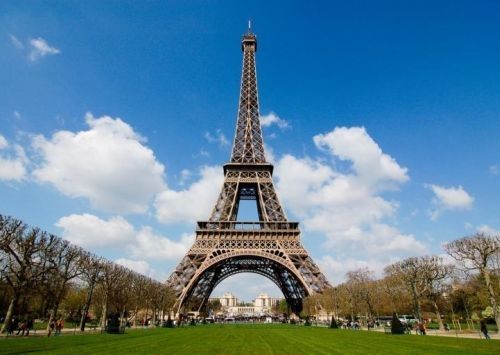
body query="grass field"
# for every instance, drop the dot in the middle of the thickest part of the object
(248, 339)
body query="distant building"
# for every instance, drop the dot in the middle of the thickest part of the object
(262, 305)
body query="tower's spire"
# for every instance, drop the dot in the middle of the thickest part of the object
(249, 25)
(248, 144)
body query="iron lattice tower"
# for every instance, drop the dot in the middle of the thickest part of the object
(224, 246)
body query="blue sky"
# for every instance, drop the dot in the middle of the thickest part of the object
(384, 114)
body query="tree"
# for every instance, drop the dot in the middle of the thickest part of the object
(66, 264)
(214, 306)
(435, 272)
(360, 284)
(410, 272)
(327, 300)
(91, 267)
(479, 252)
(26, 250)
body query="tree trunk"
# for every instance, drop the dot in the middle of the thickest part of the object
(135, 316)
(122, 315)
(51, 317)
(53, 313)
(104, 315)
(491, 292)
(438, 315)
(416, 302)
(86, 308)
(10, 311)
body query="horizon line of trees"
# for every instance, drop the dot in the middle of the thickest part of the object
(468, 289)
(42, 274)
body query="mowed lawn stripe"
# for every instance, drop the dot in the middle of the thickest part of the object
(247, 339)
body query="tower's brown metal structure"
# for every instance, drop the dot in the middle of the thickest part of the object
(224, 246)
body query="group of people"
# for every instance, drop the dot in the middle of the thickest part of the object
(23, 327)
(348, 324)
(56, 325)
(420, 328)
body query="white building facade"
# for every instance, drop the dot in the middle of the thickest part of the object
(262, 305)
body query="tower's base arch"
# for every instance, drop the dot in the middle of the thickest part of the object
(286, 279)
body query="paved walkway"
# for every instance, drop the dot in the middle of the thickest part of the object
(472, 334)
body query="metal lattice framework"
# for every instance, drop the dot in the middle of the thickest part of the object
(224, 246)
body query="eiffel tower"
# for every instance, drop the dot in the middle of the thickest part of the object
(224, 246)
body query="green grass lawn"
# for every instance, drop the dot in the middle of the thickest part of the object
(248, 339)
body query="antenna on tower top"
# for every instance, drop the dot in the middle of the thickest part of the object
(249, 25)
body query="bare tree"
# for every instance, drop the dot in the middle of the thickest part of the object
(91, 268)
(360, 284)
(478, 252)
(327, 300)
(25, 250)
(410, 272)
(435, 272)
(66, 261)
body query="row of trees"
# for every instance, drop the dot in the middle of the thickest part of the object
(41, 275)
(465, 288)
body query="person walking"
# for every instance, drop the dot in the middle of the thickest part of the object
(484, 329)
(11, 327)
(52, 325)
(59, 326)
(29, 325)
(422, 328)
(22, 328)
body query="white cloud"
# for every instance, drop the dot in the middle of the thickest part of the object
(218, 137)
(185, 176)
(494, 169)
(204, 153)
(486, 229)
(140, 266)
(16, 42)
(17, 115)
(368, 161)
(336, 268)
(94, 233)
(40, 48)
(107, 164)
(193, 203)
(452, 198)
(3, 142)
(273, 119)
(152, 246)
(347, 206)
(13, 161)
(89, 231)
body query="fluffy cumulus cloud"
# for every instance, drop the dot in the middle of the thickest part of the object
(273, 119)
(193, 203)
(347, 204)
(153, 246)
(451, 198)
(109, 164)
(95, 234)
(13, 161)
(92, 232)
